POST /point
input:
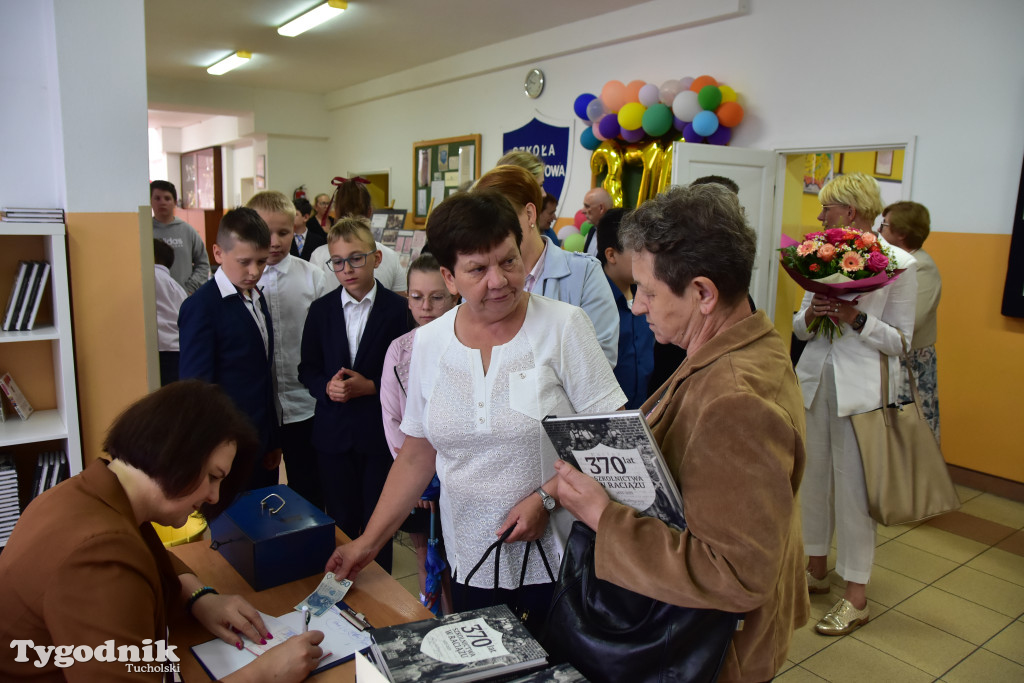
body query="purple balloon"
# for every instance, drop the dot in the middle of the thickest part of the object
(609, 126)
(720, 136)
(690, 135)
(580, 105)
(685, 83)
(633, 135)
(649, 95)
(678, 124)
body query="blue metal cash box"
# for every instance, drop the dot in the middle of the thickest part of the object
(272, 536)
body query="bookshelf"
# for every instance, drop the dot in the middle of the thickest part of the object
(41, 360)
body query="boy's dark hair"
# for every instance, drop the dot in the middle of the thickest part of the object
(469, 223)
(163, 254)
(303, 207)
(170, 434)
(549, 200)
(608, 233)
(166, 186)
(718, 180)
(242, 225)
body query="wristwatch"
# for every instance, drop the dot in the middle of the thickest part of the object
(549, 502)
(858, 322)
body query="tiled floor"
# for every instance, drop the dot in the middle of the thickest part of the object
(946, 596)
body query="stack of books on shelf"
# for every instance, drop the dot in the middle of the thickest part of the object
(10, 390)
(51, 469)
(26, 295)
(477, 645)
(9, 509)
(15, 215)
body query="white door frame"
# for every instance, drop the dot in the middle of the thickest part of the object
(907, 144)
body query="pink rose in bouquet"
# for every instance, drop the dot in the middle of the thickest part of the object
(877, 262)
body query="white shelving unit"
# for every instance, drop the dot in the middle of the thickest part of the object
(62, 422)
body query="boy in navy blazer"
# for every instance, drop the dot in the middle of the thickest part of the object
(226, 336)
(346, 336)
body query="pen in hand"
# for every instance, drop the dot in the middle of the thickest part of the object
(305, 619)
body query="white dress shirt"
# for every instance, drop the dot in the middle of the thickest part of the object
(389, 273)
(534, 276)
(290, 287)
(169, 295)
(356, 315)
(252, 304)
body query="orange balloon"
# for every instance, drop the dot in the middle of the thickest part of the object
(701, 81)
(633, 90)
(613, 94)
(729, 114)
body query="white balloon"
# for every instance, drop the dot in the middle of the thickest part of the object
(668, 92)
(685, 106)
(568, 230)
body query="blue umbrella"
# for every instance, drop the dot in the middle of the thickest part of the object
(435, 564)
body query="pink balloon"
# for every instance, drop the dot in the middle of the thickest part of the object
(597, 131)
(578, 219)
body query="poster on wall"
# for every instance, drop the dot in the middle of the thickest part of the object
(551, 144)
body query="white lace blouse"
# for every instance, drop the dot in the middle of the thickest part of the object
(491, 448)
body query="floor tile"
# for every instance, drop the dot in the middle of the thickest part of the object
(1001, 510)
(975, 528)
(798, 675)
(784, 668)
(1013, 544)
(807, 642)
(943, 543)
(996, 562)
(853, 661)
(986, 590)
(914, 642)
(1009, 642)
(954, 615)
(411, 584)
(987, 667)
(966, 492)
(895, 531)
(912, 562)
(404, 562)
(890, 588)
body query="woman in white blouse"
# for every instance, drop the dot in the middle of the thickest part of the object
(840, 378)
(482, 377)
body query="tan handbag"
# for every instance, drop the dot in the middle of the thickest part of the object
(907, 479)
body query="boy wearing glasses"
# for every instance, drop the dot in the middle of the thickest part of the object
(344, 341)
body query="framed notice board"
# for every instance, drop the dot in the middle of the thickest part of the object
(439, 167)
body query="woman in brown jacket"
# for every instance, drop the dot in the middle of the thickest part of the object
(84, 574)
(730, 423)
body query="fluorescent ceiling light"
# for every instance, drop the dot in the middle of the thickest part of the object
(228, 63)
(313, 17)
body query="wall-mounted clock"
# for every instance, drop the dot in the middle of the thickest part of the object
(533, 86)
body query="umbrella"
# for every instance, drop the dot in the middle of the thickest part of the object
(435, 564)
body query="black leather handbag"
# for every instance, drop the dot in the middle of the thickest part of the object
(612, 634)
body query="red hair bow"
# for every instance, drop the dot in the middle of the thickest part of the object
(338, 180)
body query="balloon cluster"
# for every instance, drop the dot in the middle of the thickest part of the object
(697, 109)
(574, 236)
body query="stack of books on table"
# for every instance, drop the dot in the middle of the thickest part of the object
(477, 645)
(51, 469)
(9, 509)
(26, 295)
(15, 215)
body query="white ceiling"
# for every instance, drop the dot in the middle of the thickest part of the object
(373, 38)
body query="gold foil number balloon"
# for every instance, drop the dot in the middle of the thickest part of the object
(608, 158)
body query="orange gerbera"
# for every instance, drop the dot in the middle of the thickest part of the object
(852, 262)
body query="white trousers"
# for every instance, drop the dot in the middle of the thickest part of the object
(833, 494)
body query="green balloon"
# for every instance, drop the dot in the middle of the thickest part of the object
(657, 120)
(585, 228)
(574, 242)
(709, 97)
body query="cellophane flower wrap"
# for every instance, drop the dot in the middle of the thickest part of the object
(838, 261)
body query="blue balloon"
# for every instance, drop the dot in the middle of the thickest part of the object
(705, 123)
(588, 139)
(580, 105)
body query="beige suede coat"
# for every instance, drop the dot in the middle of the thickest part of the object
(730, 423)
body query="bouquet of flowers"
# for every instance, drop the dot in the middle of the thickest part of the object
(837, 261)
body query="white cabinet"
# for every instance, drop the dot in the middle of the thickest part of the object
(58, 423)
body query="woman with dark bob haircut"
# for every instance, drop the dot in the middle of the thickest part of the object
(85, 567)
(481, 379)
(730, 423)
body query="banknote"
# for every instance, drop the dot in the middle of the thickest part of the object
(329, 592)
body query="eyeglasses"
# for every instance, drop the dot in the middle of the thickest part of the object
(826, 207)
(884, 224)
(433, 299)
(355, 260)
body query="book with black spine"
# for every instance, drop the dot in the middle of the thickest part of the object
(9, 508)
(477, 645)
(16, 289)
(23, 296)
(619, 451)
(14, 396)
(36, 296)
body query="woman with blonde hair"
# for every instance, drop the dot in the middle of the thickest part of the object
(574, 278)
(523, 159)
(839, 378)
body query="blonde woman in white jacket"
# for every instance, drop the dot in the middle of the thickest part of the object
(839, 379)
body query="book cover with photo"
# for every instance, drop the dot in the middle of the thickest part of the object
(618, 450)
(475, 645)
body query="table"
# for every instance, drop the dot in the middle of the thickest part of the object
(374, 593)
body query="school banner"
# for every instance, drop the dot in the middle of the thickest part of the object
(551, 144)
